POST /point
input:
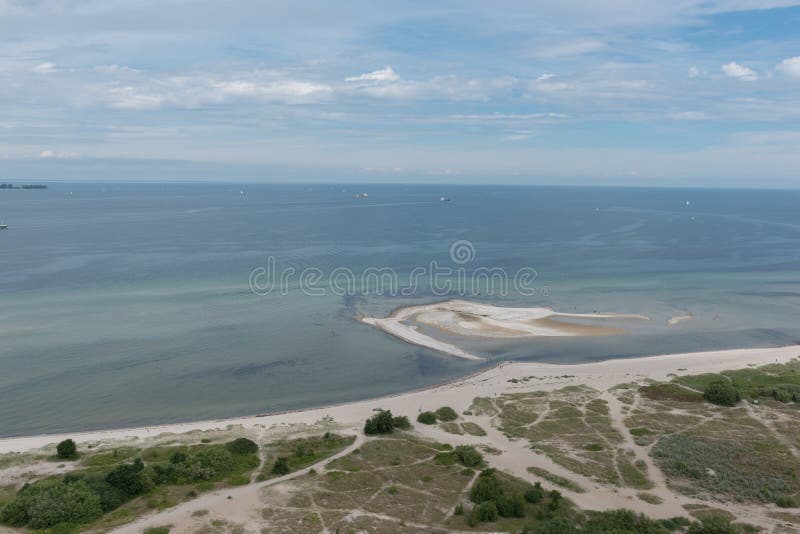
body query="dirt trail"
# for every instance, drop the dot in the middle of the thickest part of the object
(242, 502)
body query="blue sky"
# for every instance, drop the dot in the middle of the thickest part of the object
(689, 93)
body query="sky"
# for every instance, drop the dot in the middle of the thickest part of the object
(612, 92)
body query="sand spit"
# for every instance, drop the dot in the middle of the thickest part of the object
(472, 319)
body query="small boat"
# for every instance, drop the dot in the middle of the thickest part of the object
(362, 195)
(3, 226)
(444, 199)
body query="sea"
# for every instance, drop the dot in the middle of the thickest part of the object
(129, 304)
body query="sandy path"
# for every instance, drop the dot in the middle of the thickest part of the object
(240, 503)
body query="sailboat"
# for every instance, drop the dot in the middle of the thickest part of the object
(3, 226)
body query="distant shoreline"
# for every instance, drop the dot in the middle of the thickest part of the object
(22, 186)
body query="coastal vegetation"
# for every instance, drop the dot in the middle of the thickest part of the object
(84, 495)
(288, 456)
(384, 423)
(67, 450)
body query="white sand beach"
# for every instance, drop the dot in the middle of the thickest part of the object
(472, 319)
(513, 456)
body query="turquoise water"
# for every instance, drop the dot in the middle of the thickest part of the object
(129, 304)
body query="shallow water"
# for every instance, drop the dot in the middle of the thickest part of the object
(129, 304)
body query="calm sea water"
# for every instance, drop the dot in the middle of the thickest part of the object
(129, 304)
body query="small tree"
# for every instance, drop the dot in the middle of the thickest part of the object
(67, 450)
(486, 488)
(427, 418)
(722, 393)
(280, 467)
(380, 423)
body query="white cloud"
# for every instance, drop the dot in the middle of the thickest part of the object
(114, 68)
(197, 91)
(386, 74)
(45, 68)
(570, 48)
(544, 77)
(740, 72)
(694, 72)
(790, 66)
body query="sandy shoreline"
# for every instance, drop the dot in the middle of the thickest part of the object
(458, 393)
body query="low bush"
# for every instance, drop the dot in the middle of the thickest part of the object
(427, 418)
(446, 413)
(242, 446)
(401, 422)
(534, 494)
(67, 450)
(468, 456)
(280, 467)
(722, 393)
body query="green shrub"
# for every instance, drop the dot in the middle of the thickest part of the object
(722, 393)
(280, 467)
(555, 500)
(178, 458)
(713, 525)
(446, 413)
(380, 423)
(401, 422)
(459, 509)
(242, 446)
(510, 505)
(468, 456)
(67, 450)
(785, 501)
(485, 511)
(534, 494)
(486, 488)
(129, 479)
(157, 530)
(427, 418)
(52, 502)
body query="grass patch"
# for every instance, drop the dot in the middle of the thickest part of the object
(473, 429)
(451, 428)
(670, 392)
(760, 470)
(649, 498)
(556, 479)
(301, 452)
